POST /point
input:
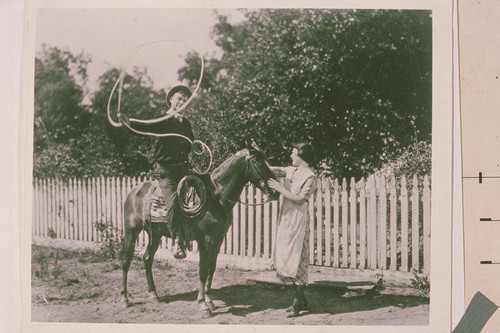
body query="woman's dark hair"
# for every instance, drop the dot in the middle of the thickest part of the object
(306, 152)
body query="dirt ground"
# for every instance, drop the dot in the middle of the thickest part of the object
(70, 286)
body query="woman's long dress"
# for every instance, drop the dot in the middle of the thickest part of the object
(291, 255)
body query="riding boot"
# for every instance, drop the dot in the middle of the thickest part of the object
(179, 253)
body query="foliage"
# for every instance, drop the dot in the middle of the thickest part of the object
(415, 159)
(72, 140)
(351, 82)
(60, 77)
(356, 84)
(46, 264)
(420, 282)
(110, 241)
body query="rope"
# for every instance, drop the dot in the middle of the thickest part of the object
(121, 77)
(243, 203)
(119, 82)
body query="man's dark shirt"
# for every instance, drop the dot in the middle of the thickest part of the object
(169, 149)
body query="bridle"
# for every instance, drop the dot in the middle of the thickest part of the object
(249, 159)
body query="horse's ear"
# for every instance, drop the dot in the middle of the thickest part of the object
(252, 147)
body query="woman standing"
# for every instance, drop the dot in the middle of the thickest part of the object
(291, 258)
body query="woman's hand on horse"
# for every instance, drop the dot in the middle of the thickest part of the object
(275, 185)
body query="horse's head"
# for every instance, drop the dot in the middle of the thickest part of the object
(258, 171)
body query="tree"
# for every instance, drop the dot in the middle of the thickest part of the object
(60, 78)
(124, 152)
(73, 140)
(354, 83)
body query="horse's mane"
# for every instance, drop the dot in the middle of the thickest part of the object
(221, 169)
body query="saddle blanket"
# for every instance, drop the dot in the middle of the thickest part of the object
(156, 204)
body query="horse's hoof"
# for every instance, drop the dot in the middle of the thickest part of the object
(125, 302)
(154, 295)
(211, 305)
(206, 313)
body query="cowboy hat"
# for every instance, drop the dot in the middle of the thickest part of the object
(178, 89)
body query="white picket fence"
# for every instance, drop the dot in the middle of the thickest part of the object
(370, 224)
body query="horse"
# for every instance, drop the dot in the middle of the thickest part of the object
(229, 179)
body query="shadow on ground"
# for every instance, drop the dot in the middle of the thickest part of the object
(245, 299)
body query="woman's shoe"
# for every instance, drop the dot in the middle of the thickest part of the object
(303, 305)
(295, 309)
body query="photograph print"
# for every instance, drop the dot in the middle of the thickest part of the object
(232, 166)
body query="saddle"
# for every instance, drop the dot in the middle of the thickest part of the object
(193, 192)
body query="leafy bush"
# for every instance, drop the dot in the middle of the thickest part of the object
(420, 282)
(109, 239)
(415, 159)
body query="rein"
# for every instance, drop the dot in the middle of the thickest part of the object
(219, 193)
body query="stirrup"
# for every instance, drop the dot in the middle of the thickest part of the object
(180, 253)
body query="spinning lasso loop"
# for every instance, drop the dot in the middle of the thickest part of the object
(119, 83)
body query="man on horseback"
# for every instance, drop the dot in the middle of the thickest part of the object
(172, 158)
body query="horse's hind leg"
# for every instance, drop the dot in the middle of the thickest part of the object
(153, 243)
(126, 258)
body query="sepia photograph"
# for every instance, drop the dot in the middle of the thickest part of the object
(233, 166)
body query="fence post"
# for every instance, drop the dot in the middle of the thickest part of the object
(251, 216)
(372, 223)
(427, 224)
(394, 231)
(236, 229)
(65, 213)
(118, 204)
(404, 225)
(125, 192)
(74, 210)
(274, 222)
(52, 209)
(35, 216)
(243, 225)
(109, 208)
(345, 222)
(354, 238)
(362, 224)
(382, 223)
(319, 224)
(258, 223)
(81, 221)
(267, 230)
(336, 224)
(38, 207)
(85, 192)
(415, 230)
(328, 222)
(45, 195)
(93, 210)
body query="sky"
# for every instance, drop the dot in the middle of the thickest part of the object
(109, 36)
